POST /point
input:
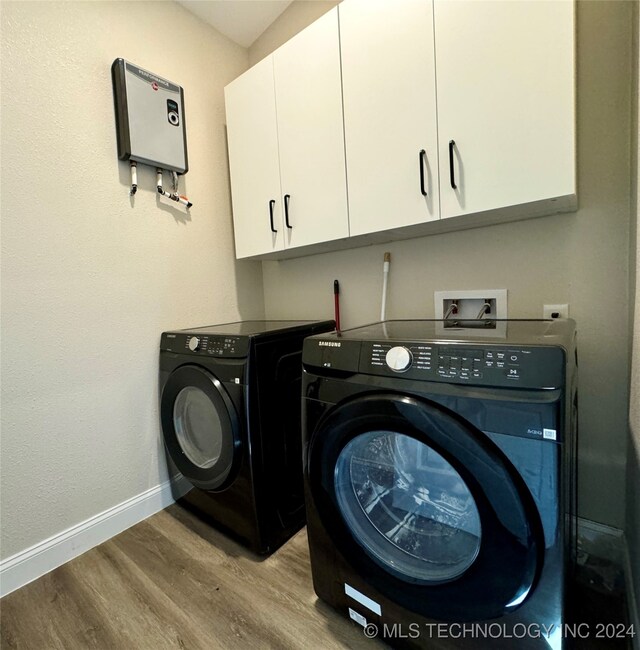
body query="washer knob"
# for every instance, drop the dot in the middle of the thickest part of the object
(399, 358)
(194, 343)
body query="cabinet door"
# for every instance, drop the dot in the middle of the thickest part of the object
(253, 161)
(389, 113)
(311, 135)
(505, 82)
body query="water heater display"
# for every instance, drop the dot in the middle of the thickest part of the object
(149, 118)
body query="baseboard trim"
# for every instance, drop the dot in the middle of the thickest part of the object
(32, 563)
(632, 597)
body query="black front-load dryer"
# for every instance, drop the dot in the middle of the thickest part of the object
(230, 414)
(439, 479)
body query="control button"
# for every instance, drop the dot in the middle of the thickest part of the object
(194, 343)
(489, 355)
(500, 364)
(513, 357)
(398, 358)
(512, 373)
(500, 355)
(465, 374)
(477, 374)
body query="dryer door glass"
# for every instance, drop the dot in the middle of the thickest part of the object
(198, 427)
(408, 506)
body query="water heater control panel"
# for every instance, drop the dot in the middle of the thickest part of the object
(150, 120)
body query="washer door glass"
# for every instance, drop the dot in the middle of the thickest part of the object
(407, 506)
(423, 506)
(198, 427)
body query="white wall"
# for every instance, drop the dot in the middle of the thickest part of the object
(581, 258)
(89, 281)
(293, 19)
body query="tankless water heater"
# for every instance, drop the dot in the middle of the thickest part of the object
(150, 119)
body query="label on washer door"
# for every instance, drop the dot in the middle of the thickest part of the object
(549, 434)
(358, 618)
(362, 599)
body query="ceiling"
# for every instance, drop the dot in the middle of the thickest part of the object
(241, 20)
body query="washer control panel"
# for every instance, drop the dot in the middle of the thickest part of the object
(206, 345)
(398, 358)
(492, 365)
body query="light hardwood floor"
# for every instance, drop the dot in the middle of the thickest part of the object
(174, 582)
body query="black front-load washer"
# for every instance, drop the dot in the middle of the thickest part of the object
(230, 414)
(439, 479)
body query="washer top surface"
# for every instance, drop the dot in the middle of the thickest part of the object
(519, 353)
(251, 328)
(558, 332)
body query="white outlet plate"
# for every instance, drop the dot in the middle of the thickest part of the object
(561, 310)
(475, 298)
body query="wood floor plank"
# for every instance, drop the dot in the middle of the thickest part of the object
(202, 588)
(53, 612)
(123, 595)
(174, 582)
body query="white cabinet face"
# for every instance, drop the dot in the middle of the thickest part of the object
(505, 87)
(310, 134)
(389, 112)
(254, 162)
(414, 110)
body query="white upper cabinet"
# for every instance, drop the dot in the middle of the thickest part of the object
(286, 145)
(390, 123)
(253, 162)
(310, 134)
(429, 115)
(506, 117)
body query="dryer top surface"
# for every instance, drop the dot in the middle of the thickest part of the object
(256, 328)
